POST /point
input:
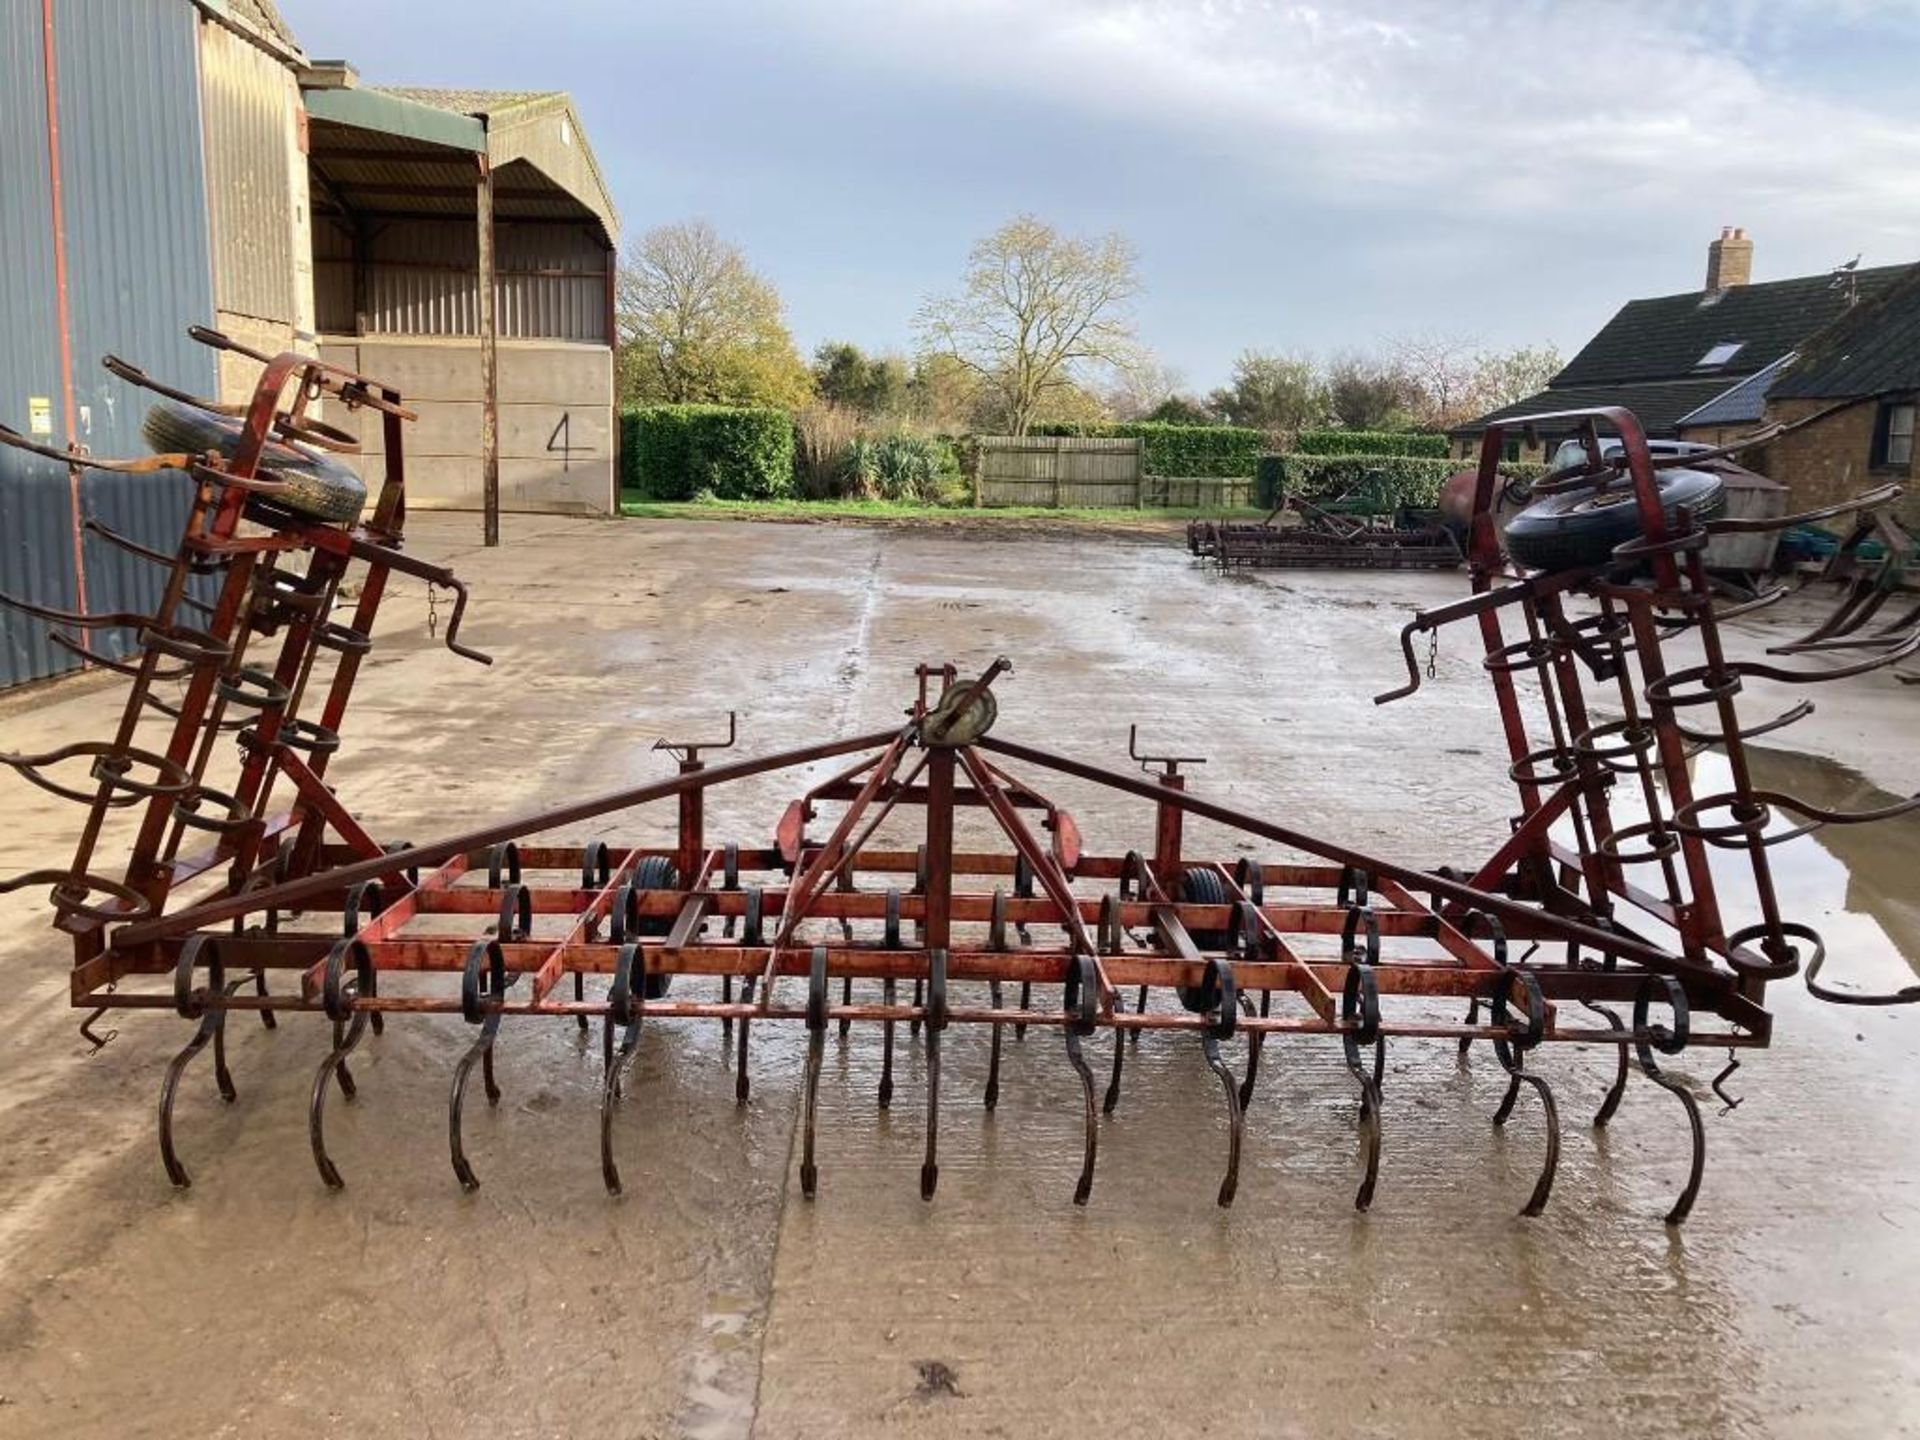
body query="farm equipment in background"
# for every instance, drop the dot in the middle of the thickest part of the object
(296, 907)
(1365, 528)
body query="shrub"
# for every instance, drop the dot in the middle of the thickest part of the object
(1411, 480)
(674, 452)
(1269, 472)
(1371, 442)
(1221, 451)
(911, 468)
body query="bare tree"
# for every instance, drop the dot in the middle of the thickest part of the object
(697, 324)
(1141, 387)
(1440, 368)
(1035, 312)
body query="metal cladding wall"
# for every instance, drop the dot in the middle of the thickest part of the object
(133, 186)
(249, 99)
(422, 280)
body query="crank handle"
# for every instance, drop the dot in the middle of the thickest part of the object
(453, 621)
(1416, 626)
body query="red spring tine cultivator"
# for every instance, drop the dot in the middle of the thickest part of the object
(827, 930)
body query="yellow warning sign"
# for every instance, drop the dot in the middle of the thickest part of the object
(40, 414)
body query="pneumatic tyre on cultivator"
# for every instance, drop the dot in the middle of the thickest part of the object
(1579, 930)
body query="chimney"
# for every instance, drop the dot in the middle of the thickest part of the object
(1729, 259)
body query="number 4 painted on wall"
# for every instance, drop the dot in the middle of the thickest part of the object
(560, 442)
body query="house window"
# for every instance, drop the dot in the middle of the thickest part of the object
(1893, 436)
(1720, 355)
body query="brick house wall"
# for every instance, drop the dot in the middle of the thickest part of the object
(1831, 461)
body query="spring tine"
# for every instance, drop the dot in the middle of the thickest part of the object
(1111, 1100)
(626, 1006)
(740, 1081)
(1079, 1001)
(1026, 1003)
(888, 994)
(1619, 1087)
(1648, 1038)
(1542, 1187)
(936, 1023)
(481, 1050)
(580, 994)
(1473, 1018)
(267, 1017)
(1256, 1045)
(993, 1054)
(1226, 999)
(176, 1172)
(345, 1039)
(726, 995)
(478, 987)
(816, 1039)
(919, 1001)
(846, 998)
(1140, 1008)
(1360, 1014)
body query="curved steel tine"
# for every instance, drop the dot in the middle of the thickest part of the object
(345, 1039)
(1512, 1052)
(846, 999)
(1078, 1000)
(1113, 1089)
(816, 1041)
(1646, 1039)
(1225, 996)
(889, 993)
(580, 994)
(936, 1023)
(919, 1003)
(626, 1006)
(741, 1084)
(1360, 1014)
(1473, 1018)
(726, 997)
(1110, 943)
(1256, 1044)
(1026, 1003)
(1618, 1089)
(339, 994)
(267, 1017)
(1111, 1100)
(992, 1097)
(213, 1018)
(476, 991)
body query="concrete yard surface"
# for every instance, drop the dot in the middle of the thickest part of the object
(711, 1300)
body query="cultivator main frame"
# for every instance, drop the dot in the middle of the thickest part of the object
(301, 910)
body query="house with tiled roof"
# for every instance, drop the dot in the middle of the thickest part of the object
(1852, 394)
(1694, 361)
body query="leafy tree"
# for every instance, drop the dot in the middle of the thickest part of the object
(1365, 392)
(698, 325)
(1181, 410)
(1035, 313)
(943, 394)
(845, 375)
(1280, 394)
(1441, 370)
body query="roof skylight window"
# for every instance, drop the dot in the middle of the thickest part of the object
(1720, 354)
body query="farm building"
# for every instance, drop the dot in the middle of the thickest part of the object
(182, 163)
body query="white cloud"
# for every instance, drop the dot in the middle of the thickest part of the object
(1629, 108)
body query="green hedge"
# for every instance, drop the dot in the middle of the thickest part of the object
(1221, 451)
(1371, 442)
(1411, 479)
(678, 452)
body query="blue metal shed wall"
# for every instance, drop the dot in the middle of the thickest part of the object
(133, 185)
(36, 546)
(139, 267)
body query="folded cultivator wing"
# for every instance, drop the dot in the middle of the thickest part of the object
(1580, 929)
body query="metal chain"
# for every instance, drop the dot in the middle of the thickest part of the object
(433, 612)
(1433, 653)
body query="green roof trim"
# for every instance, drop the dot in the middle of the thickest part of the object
(391, 115)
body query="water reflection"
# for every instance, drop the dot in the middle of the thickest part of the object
(1855, 884)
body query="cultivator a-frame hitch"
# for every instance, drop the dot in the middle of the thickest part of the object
(301, 911)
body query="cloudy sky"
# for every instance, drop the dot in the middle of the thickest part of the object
(1294, 176)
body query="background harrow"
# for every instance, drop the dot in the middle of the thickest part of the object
(838, 924)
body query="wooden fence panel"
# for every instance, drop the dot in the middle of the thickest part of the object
(1058, 470)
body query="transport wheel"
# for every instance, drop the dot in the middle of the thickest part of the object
(318, 484)
(656, 872)
(1581, 527)
(1200, 885)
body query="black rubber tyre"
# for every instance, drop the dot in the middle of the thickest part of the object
(318, 484)
(1578, 528)
(1201, 886)
(656, 872)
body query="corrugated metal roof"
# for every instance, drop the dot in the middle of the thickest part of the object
(478, 103)
(1740, 404)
